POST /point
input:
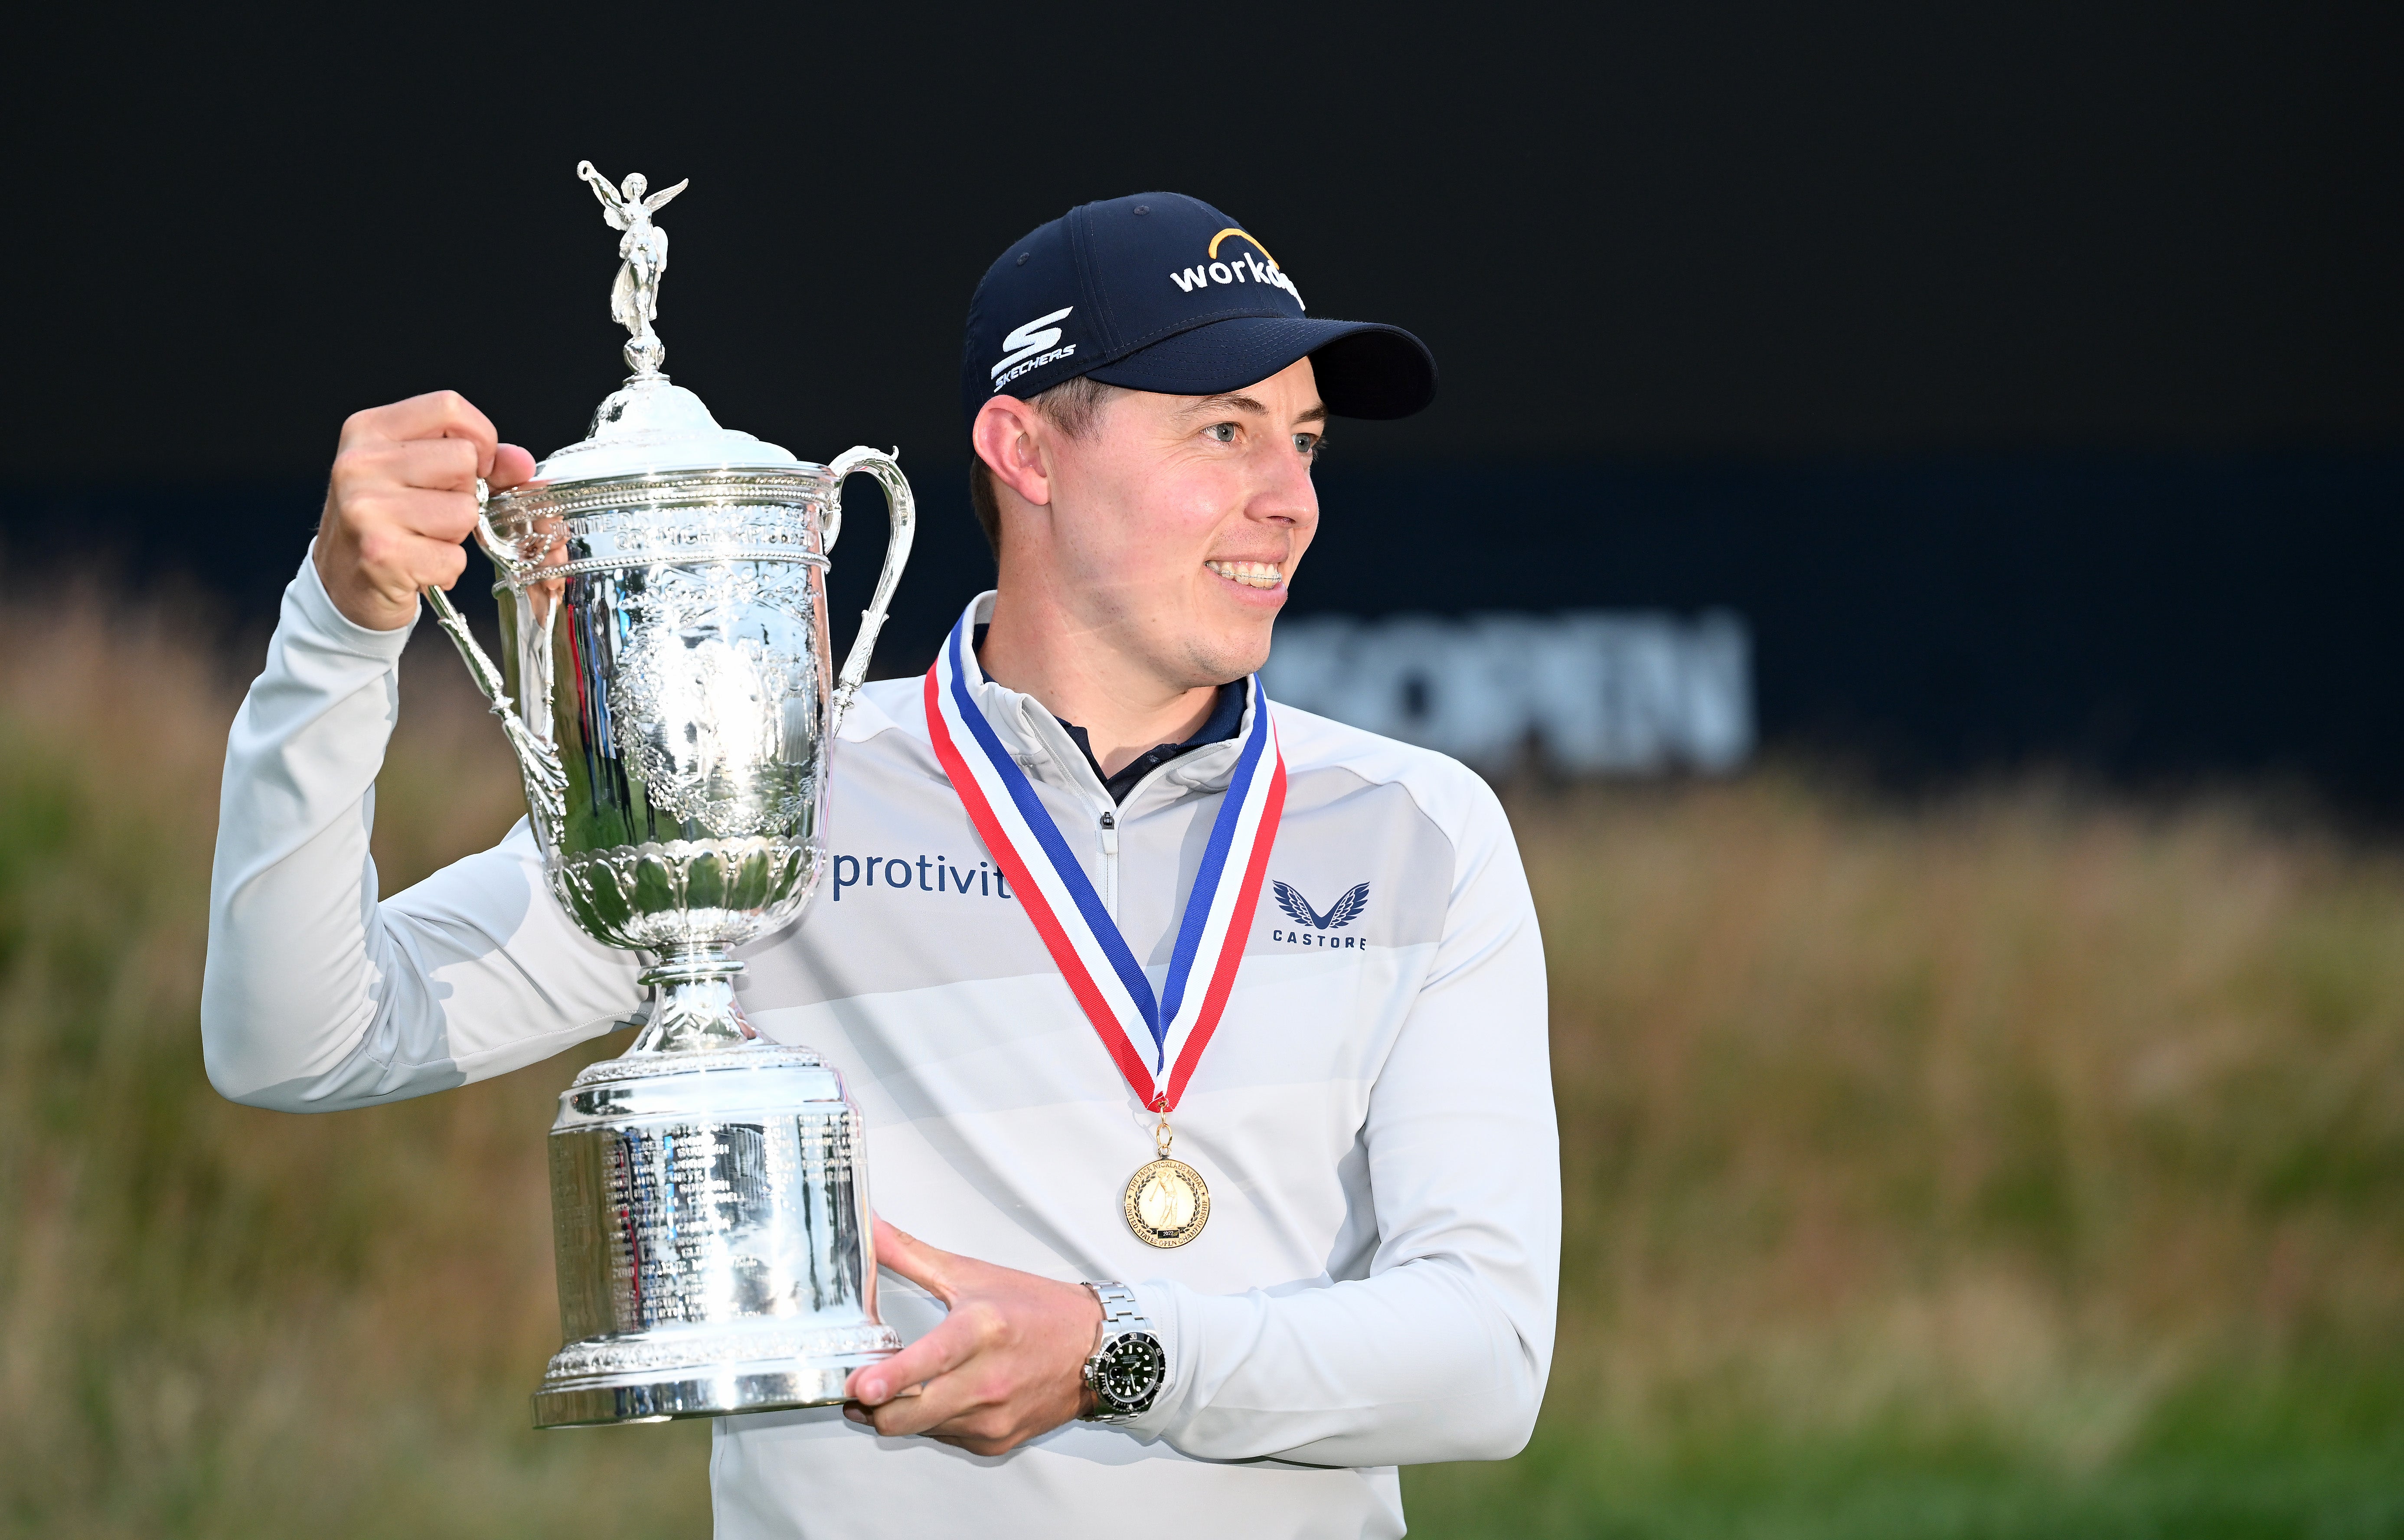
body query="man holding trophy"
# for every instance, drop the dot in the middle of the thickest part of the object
(1197, 1045)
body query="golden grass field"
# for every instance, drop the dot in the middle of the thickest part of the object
(2012, 1163)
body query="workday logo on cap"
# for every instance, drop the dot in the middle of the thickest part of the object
(1240, 267)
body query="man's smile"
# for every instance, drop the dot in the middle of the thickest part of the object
(1250, 574)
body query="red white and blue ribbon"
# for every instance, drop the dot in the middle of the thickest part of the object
(1155, 1038)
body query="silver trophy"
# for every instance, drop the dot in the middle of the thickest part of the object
(666, 690)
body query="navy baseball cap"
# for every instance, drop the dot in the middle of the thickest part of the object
(1159, 291)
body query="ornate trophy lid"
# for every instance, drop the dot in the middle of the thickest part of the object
(647, 425)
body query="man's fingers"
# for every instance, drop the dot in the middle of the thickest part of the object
(952, 1343)
(964, 1393)
(437, 414)
(402, 511)
(408, 563)
(1000, 1368)
(445, 571)
(931, 1267)
(413, 558)
(400, 500)
(438, 465)
(511, 466)
(943, 1400)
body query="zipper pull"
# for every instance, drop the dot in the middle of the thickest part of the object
(1111, 863)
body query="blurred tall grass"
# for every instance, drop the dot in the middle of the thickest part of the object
(221, 1321)
(2017, 1164)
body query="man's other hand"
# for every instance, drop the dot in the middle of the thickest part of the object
(1007, 1364)
(402, 500)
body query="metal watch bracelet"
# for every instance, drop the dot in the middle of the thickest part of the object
(1129, 1368)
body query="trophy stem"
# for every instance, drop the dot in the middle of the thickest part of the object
(696, 1010)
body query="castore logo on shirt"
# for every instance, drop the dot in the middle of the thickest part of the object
(1343, 912)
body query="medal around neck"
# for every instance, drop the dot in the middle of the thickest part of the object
(1155, 1038)
(666, 685)
(1167, 1202)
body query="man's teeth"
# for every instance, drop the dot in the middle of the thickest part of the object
(1250, 574)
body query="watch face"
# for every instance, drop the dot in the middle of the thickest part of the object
(1130, 1372)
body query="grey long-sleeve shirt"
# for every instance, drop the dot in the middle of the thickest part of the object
(1374, 1115)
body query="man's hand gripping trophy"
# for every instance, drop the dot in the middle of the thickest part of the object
(402, 499)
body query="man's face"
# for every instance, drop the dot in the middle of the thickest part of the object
(1178, 521)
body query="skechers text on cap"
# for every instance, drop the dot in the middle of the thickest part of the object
(1162, 292)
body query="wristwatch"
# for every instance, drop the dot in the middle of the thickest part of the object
(1129, 1368)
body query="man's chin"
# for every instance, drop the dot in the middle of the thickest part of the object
(1222, 659)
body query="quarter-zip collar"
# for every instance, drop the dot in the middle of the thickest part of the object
(1226, 716)
(1043, 749)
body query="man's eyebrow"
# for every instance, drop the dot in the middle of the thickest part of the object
(1229, 402)
(1232, 402)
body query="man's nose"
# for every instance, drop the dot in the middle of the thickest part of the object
(1284, 491)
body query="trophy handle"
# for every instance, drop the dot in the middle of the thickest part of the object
(902, 512)
(545, 777)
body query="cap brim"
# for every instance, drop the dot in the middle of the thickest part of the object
(1365, 369)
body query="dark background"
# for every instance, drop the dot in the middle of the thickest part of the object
(2026, 375)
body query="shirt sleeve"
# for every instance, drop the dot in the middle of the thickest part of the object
(317, 994)
(1441, 1351)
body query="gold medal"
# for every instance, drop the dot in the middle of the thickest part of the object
(1167, 1202)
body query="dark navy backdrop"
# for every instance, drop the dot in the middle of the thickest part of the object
(2035, 367)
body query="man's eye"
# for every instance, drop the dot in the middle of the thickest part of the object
(1221, 432)
(1306, 444)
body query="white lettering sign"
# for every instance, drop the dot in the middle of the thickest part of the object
(1592, 691)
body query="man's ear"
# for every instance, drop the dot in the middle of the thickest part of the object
(1008, 436)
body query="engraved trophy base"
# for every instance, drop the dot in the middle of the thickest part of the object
(732, 1378)
(711, 1222)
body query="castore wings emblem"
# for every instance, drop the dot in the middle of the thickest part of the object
(1343, 912)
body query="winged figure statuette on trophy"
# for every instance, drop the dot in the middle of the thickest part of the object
(642, 260)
